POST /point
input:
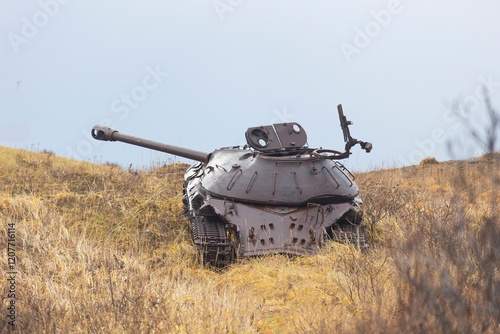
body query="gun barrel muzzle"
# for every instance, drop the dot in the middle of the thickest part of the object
(100, 132)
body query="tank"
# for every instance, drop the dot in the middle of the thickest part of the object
(273, 195)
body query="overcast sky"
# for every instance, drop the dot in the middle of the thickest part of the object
(198, 73)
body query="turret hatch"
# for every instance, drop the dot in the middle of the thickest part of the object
(278, 136)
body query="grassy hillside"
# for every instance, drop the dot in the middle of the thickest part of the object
(100, 249)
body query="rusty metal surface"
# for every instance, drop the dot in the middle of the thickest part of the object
(277, 136)
(295, 180)
(291, 230)
(263, 138)
(106, 134)
(350, 142)
(276, 196)
(291, 135)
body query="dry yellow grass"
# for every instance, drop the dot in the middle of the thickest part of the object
(102, 250)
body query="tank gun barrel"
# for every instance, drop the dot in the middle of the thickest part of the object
(104, 133)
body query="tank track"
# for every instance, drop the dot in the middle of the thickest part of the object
(210, 238)
(350, 234)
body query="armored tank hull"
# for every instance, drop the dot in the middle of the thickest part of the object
(245, 204)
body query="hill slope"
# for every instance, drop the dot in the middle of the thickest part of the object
(99, 249)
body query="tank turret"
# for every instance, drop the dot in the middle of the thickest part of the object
(274, 195)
